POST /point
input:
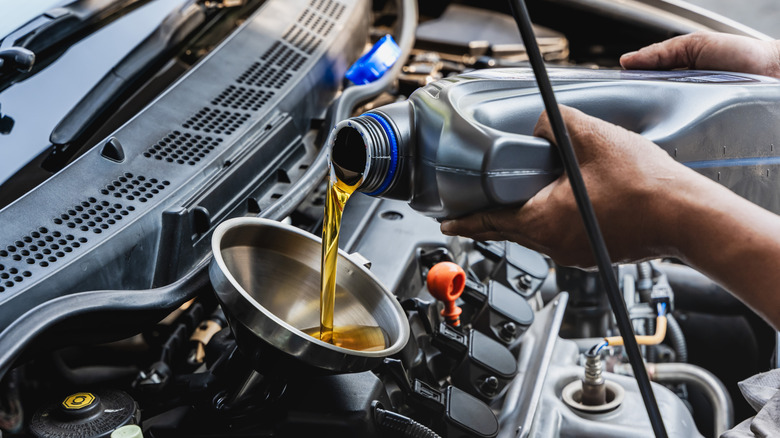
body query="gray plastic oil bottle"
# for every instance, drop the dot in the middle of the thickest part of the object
(464, 144)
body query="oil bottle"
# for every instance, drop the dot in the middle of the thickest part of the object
(464, 143)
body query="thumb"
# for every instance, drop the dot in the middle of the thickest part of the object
(584, 131)
(572, 118)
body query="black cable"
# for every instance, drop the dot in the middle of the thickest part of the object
(520, 12)
(402, 426)
(676, 338)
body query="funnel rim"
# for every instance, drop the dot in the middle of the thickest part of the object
(224, 227)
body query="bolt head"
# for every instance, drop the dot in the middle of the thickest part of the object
(489, 385)
(508, 330)
(525, 282)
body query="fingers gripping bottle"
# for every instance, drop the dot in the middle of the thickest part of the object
(464, 144)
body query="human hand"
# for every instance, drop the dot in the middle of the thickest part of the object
(626, 176)
(709, 51)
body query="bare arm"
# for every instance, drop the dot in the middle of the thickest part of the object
(648, 205)
(731, 240)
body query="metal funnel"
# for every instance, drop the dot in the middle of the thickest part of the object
(267, 278)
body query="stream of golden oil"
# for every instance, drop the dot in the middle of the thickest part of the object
(355, 337)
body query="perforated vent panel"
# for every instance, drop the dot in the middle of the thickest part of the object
(70, 230)
(274, 68)
(41, 246)
(284, 57)
(252, 89)
(302, 39)
(264, 75)
(242, 98)
(191, 147)
(329, 8)
(93, 215)
(212, 120)
(134, 188)
(182, 148)
(315, 23)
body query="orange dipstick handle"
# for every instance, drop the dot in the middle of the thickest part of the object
(446, 281)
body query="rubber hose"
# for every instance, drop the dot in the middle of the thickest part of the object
(644, 278)
(644, 285)
(644, 271)
(402, 426)
(342, 109)
(676, 338)
(652, 350)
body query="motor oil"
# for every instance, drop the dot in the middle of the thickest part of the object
(336, 198)
(463, 144)
(353, 337)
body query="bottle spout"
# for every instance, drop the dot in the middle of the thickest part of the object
(348, 155)
(369, 150)
(364, 152)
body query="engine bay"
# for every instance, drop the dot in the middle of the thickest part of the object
(109, 317)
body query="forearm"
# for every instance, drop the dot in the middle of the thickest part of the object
(733, 241)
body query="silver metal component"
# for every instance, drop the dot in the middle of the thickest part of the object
(593, 394)
(777, 350)
(554, 417)
(593, 370)
(267, 275)
(710, 385)
(573, 392)
(360, 260)
(697, 376)
(594, 390)
(524, 393)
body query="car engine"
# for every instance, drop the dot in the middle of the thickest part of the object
(108, 317)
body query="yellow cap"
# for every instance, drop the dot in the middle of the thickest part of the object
(79, 400)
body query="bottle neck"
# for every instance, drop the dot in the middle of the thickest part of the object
(364, 151)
